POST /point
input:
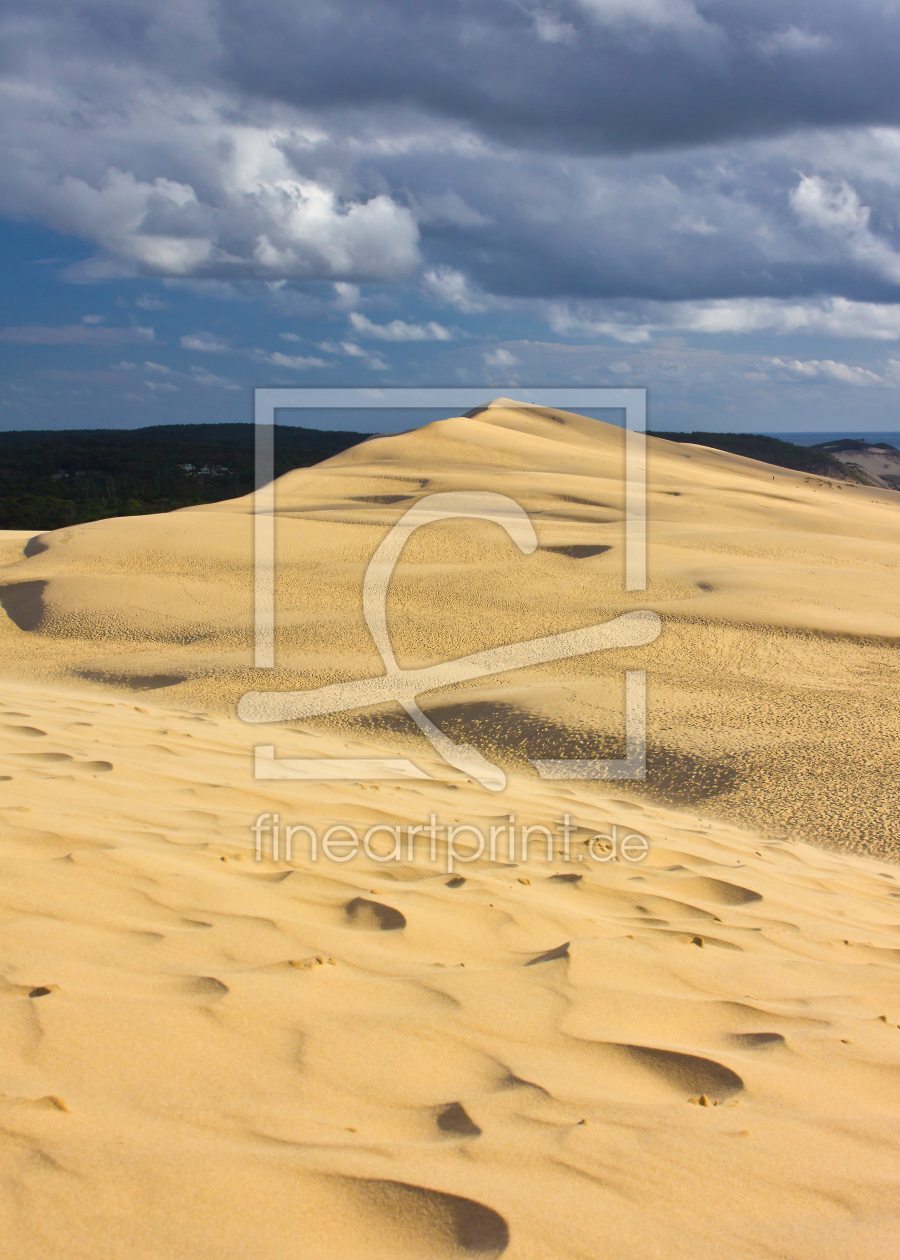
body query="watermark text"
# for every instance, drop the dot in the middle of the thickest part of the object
(447, 845)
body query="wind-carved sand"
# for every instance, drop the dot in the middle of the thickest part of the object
(695, 1055)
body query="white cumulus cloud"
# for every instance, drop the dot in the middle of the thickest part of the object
(373, 358)
(399, 330)
(453, 288)
(836, 208)
(166, 182)
(812, 369)
(639, 322)
(205, 342)
(500, 358)
(296, 362)
(202, 377)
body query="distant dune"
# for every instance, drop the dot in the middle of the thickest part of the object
(879, 461)
(694, 1054)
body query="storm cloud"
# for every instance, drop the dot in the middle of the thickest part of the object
(601, 151)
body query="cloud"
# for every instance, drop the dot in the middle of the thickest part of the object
(313, 236)
(346, 296)
(343, 347)
(566, 76)
(148, 302)
(177, 188)
(453, 288)
(93, 319)
(501, 358)
(793, 41)
(703, 224)
(551, 30)
(205, 342)
(398, 330)
(373, 358)
(447, 208)
(296, 362)
(813, 369)
(627, 327)
(74, 335)
(491, 154)
(152, 371)
(202, 377)
(836, 208)
(639, 322)
(649, 15)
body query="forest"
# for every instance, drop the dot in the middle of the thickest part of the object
(810, 459)
(52, 478)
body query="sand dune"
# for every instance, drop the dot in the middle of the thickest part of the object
(881, 465)
(693, 1054)
(779, 595)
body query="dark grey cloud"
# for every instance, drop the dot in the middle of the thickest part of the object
(803, 215)
(620, 151)
(577, 75)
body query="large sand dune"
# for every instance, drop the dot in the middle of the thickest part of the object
(693, 1055)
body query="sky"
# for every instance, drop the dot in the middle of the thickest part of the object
(202, 196)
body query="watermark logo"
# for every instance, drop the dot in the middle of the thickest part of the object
(449, 845)
(397, 685)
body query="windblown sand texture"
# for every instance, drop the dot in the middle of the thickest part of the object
(202, 1055)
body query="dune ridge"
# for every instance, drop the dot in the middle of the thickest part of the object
(778, 593)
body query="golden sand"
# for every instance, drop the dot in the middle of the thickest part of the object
(692, 1055)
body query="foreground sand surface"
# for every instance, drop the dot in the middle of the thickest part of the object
(693, 1055)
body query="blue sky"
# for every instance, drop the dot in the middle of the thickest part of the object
(701, 198)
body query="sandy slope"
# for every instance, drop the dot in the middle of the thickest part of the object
(773, 689)
(205, 1055)
(883, 466)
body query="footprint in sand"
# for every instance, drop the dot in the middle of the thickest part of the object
(373, 916)
(756, 1039)
(204, 986)
(453, 1118)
